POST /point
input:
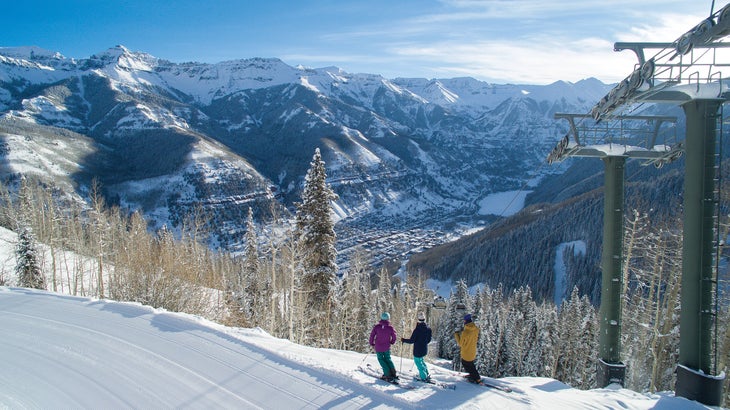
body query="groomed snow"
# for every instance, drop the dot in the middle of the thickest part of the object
(579, 248)
(59, 351)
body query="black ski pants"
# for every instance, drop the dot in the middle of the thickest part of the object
(471, 369)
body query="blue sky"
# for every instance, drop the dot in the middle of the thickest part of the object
(502, 41)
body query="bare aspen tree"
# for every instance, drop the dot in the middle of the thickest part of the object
(7, 208)
(275, 287)
(291, 293)
(52, 240)
(650, 326)
(98, 226)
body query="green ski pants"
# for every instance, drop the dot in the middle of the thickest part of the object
(422, 369)
(386, 363)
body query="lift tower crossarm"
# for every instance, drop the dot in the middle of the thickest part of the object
(619, 137)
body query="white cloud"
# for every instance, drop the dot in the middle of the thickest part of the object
(662, 28)
(526, 62)
(519, 41)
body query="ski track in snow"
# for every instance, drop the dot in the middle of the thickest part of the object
(198, 359)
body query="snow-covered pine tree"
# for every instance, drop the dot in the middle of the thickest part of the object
(255, 285)
(521, 333)
(491, 331)
(459, 304)
(547, 339)
(590, 333)
(578, 330)
(569, 329)
(27, 267)
(316, 236)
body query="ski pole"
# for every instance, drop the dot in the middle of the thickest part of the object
(401, 357)
(366, 356)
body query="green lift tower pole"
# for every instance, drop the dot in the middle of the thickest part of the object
(694, 380)
(611, 370)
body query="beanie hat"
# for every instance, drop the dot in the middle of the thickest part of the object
(421, 317)
(385, 316)
(467, 318)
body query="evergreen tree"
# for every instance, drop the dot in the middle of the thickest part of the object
(521, 334)
(589, 356)
(255, 286)
(569, 328)
(27, 267)
(248, 290)
(316, 234)
(547, 338)
(453, 321)
(578, 329)
(491, 331)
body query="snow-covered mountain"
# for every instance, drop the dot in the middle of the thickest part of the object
(408, 157)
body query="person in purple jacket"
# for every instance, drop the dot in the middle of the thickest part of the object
(381, 338)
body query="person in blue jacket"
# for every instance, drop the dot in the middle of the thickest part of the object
(420, 338)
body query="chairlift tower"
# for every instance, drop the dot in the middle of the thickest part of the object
(651, 138)
(688, 72)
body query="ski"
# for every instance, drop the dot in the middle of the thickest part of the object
(489, 385)
(436, 383)
(496, 386)
(376, 374)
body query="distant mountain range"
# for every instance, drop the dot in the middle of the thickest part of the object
(409, 158)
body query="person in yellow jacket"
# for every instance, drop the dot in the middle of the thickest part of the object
(467, 341)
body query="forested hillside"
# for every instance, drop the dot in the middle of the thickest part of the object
(101, 252)
(521, 250)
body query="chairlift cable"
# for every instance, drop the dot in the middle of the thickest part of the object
(522, 189)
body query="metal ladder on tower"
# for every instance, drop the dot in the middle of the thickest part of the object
(718, 241)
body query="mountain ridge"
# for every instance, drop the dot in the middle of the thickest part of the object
(406, 156)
